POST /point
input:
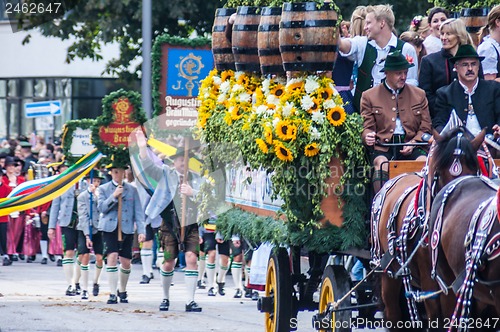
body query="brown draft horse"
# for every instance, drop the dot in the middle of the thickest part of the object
(396, 202)
(465, 245)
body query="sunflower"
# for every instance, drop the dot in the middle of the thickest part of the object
(282, 152)
(326, 93)
(226, 75)
(315, 106)
(295, 88)
(268, 134)
(243, 80)
(278, 90)
(311, 149)
(262, 145)
(237, 113)
(336, 116)
(286, 130)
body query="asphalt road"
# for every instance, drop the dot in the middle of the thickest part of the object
(32, 298)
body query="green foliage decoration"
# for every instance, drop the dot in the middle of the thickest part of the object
(67, 138)
(120, 153)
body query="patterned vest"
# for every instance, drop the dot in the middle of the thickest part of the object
(365, 79)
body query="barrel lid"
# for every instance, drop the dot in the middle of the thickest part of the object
(467, 12)
(225, 11)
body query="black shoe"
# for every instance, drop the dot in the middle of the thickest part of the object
(6, 261)
(29, 260)
(70, 291)
(201, 284)
(59, 262)
(112, 299)
(85, 295)
(122, 296)
(151, 276)
(44, 261)
(78, 290)
(164, 305)
(145, 279)
(238, 294)
(14, 258)
(248, 293)
(193, 307)
(211, 291)
(221, 288)
(95, 290)
(52, 258)
(21, 257)
(255, 296)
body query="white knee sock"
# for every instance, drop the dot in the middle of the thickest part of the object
(236, 272)
(147, 261)
(85, 277)
(210, 275)
(201, 266)
(124, 274)
(78, 271)
(166, 281)
(98, 270)
(43, 247)
(191, 278)
(68, 267)
(112, 272)
(221, 277)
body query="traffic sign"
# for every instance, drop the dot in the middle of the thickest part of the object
(42, 108)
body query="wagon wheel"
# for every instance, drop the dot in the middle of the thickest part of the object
(334, 286)
(279, 291)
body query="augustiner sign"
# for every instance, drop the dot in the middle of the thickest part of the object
(116, 133)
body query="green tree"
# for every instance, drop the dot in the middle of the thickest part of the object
(93, 23)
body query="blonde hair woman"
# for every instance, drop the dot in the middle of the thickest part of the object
(490, 46)
(436, 70)
(358, 21)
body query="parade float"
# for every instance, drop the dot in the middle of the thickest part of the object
(271, 119)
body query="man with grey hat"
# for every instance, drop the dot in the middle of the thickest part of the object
(476, 101)
(394, 112)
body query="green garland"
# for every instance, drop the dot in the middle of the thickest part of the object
(120, 153)
(67, 139)
(157, 64)
(457, 5)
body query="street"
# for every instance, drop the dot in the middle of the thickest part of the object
(32, 299)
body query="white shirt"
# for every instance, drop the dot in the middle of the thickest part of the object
(357, 53)
(472, 123)
(487, 49)
(432, 44)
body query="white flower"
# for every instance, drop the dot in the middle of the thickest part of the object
(238, 74)
(328, 104)
(306, 102)
(221, 98)
(245, 97)
(294, 80)
(275, 122)
(237, 88)
(287, 109)
(265, 85)
(315, 134)
(311, 84)
(261, 110)
(335, 92)
(318, 117)
(225, 86)
(270, 112)
(217, 80)
(272, 99)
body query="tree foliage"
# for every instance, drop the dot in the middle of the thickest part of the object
(93, 23)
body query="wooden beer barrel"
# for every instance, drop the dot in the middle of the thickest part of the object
(307, 37)
(245, 30)
(474, 19)
(268, 41)
(221, 45)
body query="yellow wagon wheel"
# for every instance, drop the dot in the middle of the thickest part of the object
(335, 284)
(278, 293)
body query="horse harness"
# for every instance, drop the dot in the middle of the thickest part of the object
(477, 250)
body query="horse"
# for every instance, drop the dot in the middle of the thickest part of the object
(465, 249)
(398, 223)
